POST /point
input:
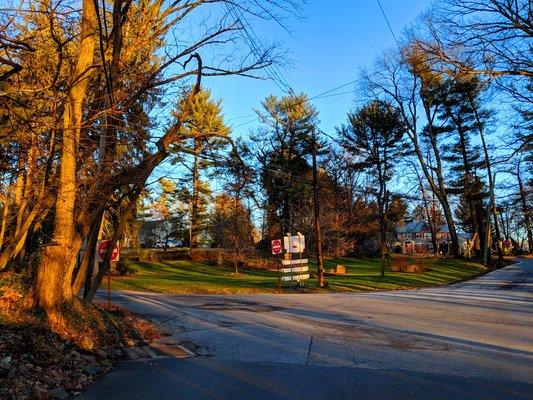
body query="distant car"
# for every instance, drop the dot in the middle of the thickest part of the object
(168, 243)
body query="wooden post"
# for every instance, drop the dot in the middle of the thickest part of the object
(319, 261)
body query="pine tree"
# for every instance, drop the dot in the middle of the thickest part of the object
(374, 135)
(205, 129)
(460, 115)
(282, 147)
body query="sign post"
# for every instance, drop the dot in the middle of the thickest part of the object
(102, 248)
(297, 267)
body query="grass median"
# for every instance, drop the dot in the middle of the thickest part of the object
(186, 277)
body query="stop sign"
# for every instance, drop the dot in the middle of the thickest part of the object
(276, 246)
(103, 247)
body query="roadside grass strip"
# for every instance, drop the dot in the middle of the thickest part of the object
(186, 277)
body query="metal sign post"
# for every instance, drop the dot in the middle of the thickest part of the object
(102, 248)
(295, 275)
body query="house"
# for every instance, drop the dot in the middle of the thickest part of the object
(415, 238)
(154, 231)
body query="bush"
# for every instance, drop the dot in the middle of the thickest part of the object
(123, 268)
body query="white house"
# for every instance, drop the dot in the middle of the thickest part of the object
(415, 238)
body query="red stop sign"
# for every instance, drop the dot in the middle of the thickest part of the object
(276, 246)
(103, 247)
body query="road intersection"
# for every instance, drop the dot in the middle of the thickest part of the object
(469, 340)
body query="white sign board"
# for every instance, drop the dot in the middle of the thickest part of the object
(294, 262)
(295, 269)
(295, 278)
(294, 244)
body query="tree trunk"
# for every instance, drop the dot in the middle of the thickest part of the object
(439, 187)
(525, 210)
(3, 222)
(491, 184)
(195, 202)
(85, 271)
(54, 274)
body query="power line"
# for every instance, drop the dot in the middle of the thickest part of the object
(389, 25)
(246, 28)
(321, 95)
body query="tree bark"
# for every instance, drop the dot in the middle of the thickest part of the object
(491, 184)
(195, 201)
(53, 283)
(525, 209)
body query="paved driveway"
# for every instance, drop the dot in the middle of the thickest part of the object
(470, 340)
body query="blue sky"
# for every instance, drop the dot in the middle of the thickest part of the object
(336, 39)
(328, 49)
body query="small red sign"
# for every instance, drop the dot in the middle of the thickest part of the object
(103, 247)
(277, 247)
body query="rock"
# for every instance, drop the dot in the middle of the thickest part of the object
(12, 373)
(49, 381)
(59, 393)
(5, 363)
(92, 371)
(130, 354)
(133, 353)
(340, 269)
(40, 393)
(100, 354)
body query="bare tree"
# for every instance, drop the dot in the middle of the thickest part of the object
(409, 82)
(487, 37)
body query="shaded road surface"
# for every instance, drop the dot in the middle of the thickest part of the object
(472, 340)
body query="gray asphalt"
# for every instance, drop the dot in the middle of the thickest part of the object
(472, 340)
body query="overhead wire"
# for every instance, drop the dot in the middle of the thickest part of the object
(253, 41)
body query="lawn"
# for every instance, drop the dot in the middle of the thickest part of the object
(362, 275)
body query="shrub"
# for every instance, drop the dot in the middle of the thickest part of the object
(123, 268)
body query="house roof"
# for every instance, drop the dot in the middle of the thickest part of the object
(414, 226)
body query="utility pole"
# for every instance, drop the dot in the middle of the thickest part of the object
(319, 261)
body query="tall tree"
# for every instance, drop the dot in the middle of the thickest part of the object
(282, 147)
(461, 119)
(206, 128)
(374, 135)
(408, 80)
(485, 37)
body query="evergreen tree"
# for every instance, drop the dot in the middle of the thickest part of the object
(281, 148)
(374, 135)
(206, 132)
(461, 116)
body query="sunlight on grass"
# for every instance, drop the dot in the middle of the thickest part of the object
(182, 277)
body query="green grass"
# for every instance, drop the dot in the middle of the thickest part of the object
(364, 275)
(184, 276)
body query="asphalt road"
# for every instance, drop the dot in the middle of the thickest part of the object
(472, 340)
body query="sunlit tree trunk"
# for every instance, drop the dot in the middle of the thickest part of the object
(53, 283)
(3, 221)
